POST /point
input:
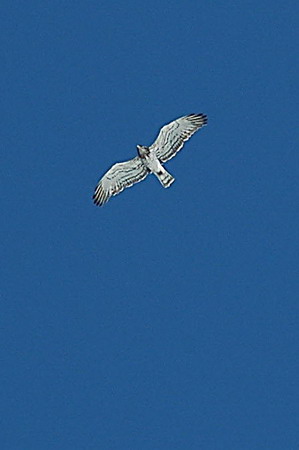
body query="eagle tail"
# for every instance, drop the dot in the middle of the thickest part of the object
(165, 178)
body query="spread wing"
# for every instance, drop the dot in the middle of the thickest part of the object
(119, 177)
(173, 135)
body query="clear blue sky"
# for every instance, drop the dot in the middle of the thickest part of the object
(168, 319)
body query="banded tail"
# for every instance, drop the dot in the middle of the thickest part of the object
(165, 178)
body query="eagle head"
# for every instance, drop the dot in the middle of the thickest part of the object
(142, 151)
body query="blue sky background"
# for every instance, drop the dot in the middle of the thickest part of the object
(168, 319)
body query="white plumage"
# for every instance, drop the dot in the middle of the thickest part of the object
(170, 140)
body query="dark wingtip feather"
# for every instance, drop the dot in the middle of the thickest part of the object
(97, 200)
(203, 118)
(199, 115)
(100, 196)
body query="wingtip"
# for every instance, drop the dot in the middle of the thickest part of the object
(97, 199)
(200, 116)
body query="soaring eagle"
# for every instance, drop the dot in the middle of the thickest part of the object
(150, 159)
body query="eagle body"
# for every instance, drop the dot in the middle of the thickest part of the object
(154, 166)
(170, 140)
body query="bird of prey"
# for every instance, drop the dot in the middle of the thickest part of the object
(170, 140)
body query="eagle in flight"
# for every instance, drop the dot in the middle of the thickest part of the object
(170, 140)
